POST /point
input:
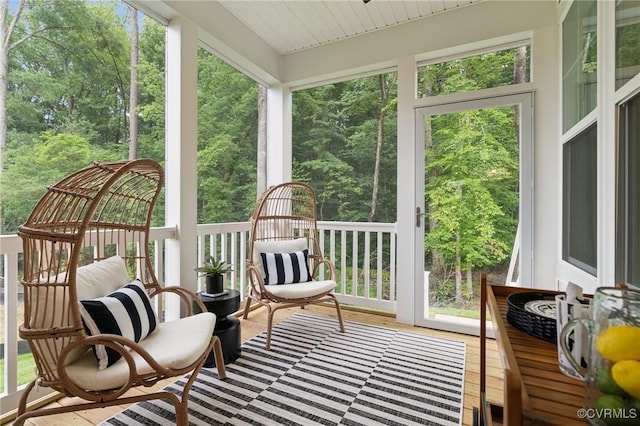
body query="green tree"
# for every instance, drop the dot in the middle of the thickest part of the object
(340, 132)
(227, 141)
(33, 166)
(75, 75)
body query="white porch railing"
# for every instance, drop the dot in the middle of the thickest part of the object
(364, 255)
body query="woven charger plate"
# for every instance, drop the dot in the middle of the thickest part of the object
(535, 320)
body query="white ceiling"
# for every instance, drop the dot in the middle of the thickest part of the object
(294, 25)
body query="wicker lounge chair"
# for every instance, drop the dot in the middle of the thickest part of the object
(88, 237)
(284, 253)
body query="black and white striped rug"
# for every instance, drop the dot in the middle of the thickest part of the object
(315, 375)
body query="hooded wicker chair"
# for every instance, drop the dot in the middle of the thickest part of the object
(87, 237)
(284, 253)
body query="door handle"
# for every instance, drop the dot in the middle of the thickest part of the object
(419, 215)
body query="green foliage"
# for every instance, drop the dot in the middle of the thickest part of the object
(33, 165)
(472, 170)
(334, 147)
(227, 142)
(77, 67)
(484, 71)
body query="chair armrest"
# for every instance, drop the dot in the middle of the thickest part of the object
(256, 280)
(187, 297)
(330, 266)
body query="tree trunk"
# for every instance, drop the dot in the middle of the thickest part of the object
(458, 270)
(470, 283)
(261, 183)
(520, 66)
(4, 70)
(384, 94)
(133, 95)
(5, 46)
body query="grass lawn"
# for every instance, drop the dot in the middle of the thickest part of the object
(26, 370)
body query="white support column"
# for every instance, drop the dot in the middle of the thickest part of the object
(406, 199)
(279, 135)
(181, 154)
(606, 143)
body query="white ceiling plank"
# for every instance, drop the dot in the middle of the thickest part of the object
(424, 7)
(305, 23)
(413, 10)
(254, 16)
(437, 6)
(327, 25)
(349, 19)
(452, 4)
(290, 26)
(293, 28)
(387, 13)
(399, 11)
(374, 11)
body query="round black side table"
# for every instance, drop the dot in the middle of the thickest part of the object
(227, 326)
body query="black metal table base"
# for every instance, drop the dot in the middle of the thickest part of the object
(227, 326)
(228, 331)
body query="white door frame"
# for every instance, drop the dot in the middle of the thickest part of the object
(526, 278)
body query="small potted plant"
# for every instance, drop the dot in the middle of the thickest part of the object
(214, 270)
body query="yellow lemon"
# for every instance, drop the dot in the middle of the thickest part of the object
(620, 342)
(627, 375)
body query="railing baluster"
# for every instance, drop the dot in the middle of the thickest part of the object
(343, 261)
(379, 269)
(366, 264)
(354, 264)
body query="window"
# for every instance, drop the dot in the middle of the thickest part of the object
(579, 201)
(488, 70)
(579, 62)
(628, 208)
(627, 41)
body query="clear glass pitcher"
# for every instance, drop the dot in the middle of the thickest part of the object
(612, 375)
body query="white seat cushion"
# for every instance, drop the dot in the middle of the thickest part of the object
(301, 290)
(173, 344)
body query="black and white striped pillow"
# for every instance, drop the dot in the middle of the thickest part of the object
(126, 312)
(286, 268)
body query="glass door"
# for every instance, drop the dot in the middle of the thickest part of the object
(475, 179)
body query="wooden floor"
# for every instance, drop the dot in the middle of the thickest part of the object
(256, 323)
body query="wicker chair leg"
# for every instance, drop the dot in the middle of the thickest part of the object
(247, 305)
(22, 405)
(269, 325)
(218, 356)
(339, 313)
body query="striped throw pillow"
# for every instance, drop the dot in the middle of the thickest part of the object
(126, 312)
(286, 268)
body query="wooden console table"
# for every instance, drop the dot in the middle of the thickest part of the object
(535, 391)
